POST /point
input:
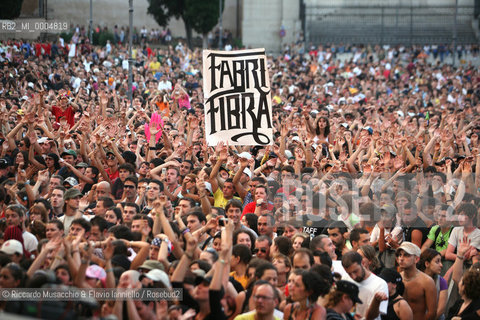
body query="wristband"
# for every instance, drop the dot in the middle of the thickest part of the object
(109, 270)
(459, 257)
(152, 148)
(185, 230)
(188, 256)
(222, 261)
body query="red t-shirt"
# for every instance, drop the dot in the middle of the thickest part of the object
(68, 114)
(113, 175)
(250, 208)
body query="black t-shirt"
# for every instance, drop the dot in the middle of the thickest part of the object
(216, 310)
(418, 224)
(313, 225)
(470, 312)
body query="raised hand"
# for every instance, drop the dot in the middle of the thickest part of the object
(463, 247)
(191, 246)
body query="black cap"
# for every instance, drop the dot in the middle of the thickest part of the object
(350, 288)
(3, 163)
(392, 276)
(272, 155)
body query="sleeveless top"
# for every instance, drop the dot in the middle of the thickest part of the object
(311, 309)
(391, 314)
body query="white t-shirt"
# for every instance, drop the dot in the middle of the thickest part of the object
(395, 233)
(30, 242)
(338, 268)
(368, 288)
(67, 221)
(457, 235)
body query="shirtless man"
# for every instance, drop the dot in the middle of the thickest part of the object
(420, 291)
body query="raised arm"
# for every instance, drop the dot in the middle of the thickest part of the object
(223, 263)
(187, 258)
(222, 158)
(463, 247)
(242, 192)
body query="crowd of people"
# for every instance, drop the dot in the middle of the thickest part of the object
(364, 207)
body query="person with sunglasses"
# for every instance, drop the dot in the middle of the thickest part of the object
(263, 272)
(262, 247)
(125, 170)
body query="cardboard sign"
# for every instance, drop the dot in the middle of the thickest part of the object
(238, 104)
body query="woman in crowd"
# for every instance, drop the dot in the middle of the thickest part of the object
(299, 240)
(245, 237)
(306, 289)
(284, 266)
(370, 259)
(468, 307)
(341, 300)
(431, 263)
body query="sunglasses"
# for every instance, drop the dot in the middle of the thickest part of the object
(128, 187)
(262, 250)
(110, 157)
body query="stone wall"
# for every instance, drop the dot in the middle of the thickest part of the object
(263, 21)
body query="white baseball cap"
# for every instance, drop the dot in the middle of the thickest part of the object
(246, 155)
(159, 276)
(12, 246)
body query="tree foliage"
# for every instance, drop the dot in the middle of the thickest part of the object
(163, 10)
(10, 9)
(202, 14)
(198, 15)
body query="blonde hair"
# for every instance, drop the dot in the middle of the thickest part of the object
(333, 298)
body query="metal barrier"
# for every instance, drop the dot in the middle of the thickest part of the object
(405, 25)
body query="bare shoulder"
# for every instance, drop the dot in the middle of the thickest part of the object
(319, 313)
(403, 304)
(426, 280)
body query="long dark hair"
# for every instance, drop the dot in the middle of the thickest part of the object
(327, 128)
(26, 162)
(427, 256)
(17, 273)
